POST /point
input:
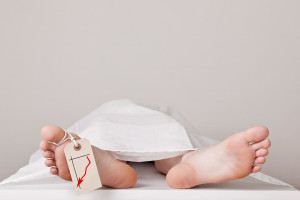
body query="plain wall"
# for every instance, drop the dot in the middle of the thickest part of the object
(225, 65)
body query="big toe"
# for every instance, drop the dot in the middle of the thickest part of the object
(52, 133)
(256, 134)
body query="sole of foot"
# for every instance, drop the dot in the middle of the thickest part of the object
(236, 157)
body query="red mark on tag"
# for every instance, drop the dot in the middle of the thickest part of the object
(80, 180)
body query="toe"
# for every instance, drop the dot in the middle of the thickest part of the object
(256, 168)
(260, 160)
(53, 170)
(49, 162)
(262, 145)
(52, 133)
(48, 154)
(257, 134)
(261, 152)
(46, 146)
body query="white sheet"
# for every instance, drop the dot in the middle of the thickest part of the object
(132, 132)
(36, 175)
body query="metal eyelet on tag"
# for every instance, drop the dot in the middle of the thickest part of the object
(77, 148)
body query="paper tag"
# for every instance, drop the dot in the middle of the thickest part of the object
(82, 166)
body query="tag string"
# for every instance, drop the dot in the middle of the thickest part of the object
(64, 139)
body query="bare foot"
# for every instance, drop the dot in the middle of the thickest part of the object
(113, 173)
(234, 158)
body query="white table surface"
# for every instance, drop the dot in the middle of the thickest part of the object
(150, 185)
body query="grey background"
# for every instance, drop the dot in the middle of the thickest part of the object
(225, 65)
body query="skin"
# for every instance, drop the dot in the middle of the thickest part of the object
(234, 158)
